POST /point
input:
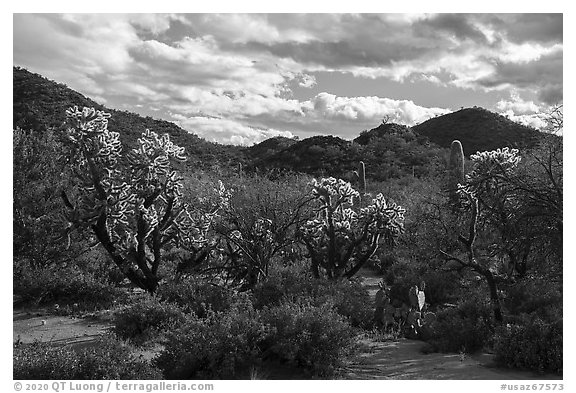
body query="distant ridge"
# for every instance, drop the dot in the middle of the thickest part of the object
(269, 147)
(318, 155)
(366, 137)
(478, 129)
(389, 150)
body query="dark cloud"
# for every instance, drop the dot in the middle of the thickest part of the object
(341, 53)
(520, 28)
(544, 71)
(543, 75)
(459, 26)
(551, 94)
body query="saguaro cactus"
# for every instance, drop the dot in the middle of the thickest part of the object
(362, 177)
(455, 170)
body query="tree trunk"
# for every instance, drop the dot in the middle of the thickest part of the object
(147, 282)
(494, 299)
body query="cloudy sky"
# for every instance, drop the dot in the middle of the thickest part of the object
(242, 78)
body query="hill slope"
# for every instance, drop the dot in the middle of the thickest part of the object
(478, 129)
(389, 151)
(269, 147)
(319, 155)
(39, 104)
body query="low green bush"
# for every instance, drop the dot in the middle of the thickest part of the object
(66, 286)
(224, 345)
(441, 286)
(535, 296)
(349, 298)
(107, 359)
(466, 328)
(535, 345)
(314, 338)
(283, 283)
(146, 318)
(197, 296)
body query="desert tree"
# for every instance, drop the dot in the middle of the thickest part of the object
(490, 209)
(259, 225)
(342, 238)
(37, 182)
(132, 203)
(554, 119)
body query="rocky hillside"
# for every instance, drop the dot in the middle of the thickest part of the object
(39, 104)
(478, 129)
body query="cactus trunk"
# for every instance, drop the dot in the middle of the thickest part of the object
(455, 170)
(362, 177)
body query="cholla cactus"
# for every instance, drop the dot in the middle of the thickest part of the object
(492, 167)
(340, 239)
(489, 181)
(135, 211)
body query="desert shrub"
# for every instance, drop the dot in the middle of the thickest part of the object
(539, 296)
(283, 282)
(534, 345)
(349, 298)
(222, 345)
(65, 286)
(146, 318)
(259, 225)
(108, 359)
(197, 296)
(441, 286)
(465, 328)
(315, 338)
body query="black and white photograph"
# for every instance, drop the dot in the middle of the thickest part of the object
(371, 196)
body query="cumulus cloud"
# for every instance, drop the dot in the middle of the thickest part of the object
(368, 109)
(226, 72)
(517, 105)
(532, 120)
(227, 131)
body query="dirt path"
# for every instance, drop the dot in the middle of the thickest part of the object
(31, 325)
(402, 359)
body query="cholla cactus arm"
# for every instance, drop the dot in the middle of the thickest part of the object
(491, 169)
(381, 219)
(472, 201)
